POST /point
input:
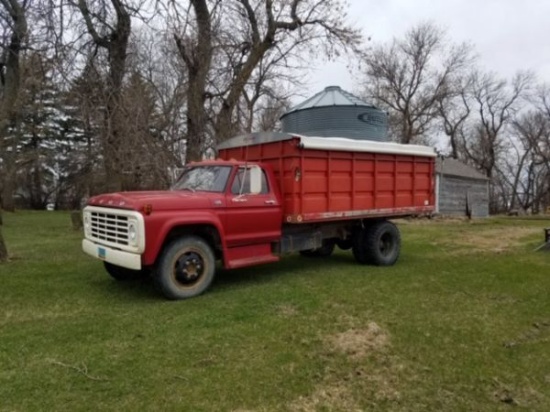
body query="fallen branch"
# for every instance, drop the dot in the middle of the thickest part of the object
(80, 369)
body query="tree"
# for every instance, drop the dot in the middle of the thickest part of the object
(223, 43)
(167, 85)
(112, 37)
(522, 172)
(51, 138)
(486, 141)
(151, 155)
(542, 146)
(411, 77)
(454, 110)
(84, 105)
(36, 133)
(14, 24)
(496, 103)
(13, 20)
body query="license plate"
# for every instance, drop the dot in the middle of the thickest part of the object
(101, 253)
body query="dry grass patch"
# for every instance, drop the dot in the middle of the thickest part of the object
(497, 239)
(525, 397)
(331, 398)
(494, 240)
(286, 311)
(27, 315)
(340, 392)
(357, 343)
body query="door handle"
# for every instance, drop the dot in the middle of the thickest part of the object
(239, 199)
(270, 202)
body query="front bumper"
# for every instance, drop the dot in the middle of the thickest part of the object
(116, 257)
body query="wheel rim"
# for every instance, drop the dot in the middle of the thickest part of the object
(385, 245)
(188, 269)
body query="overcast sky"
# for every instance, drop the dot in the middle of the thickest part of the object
(508, 35)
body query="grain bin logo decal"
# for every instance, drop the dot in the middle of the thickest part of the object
(370, 118)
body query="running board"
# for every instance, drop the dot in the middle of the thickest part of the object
(256, 260)
(241, 256)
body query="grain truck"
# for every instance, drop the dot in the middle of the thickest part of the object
(266, 195)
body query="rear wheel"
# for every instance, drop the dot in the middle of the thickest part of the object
(123, 274)
(379, 244)
(185, 268)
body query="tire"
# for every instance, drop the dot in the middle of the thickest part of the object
(185, 268)
(379, 244)
(323, 251)
(123, 274)
(344, 244)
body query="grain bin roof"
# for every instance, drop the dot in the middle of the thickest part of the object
(453, 167)
(331, 96)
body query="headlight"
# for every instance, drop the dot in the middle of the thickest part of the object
(132, 233)
(87, 223)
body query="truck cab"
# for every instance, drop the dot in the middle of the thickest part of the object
(225, 210)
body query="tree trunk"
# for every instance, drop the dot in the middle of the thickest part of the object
(11, 82)
(111, 146)
(115, 42)
(3, 249)
(76, 220)
(8, 189)
(196, 119)
(197, 59)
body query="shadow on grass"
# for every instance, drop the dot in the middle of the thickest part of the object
(125, 291)
(289, 266)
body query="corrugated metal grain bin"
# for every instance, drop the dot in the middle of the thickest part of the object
(337, 178)
(335, 112)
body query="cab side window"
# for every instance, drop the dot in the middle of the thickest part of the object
(241, 183)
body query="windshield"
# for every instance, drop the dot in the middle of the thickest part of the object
(203, 178)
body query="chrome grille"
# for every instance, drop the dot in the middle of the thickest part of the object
(109, 227)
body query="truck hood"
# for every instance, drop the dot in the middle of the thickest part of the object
(159, 200)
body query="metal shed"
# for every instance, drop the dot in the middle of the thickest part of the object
(460, 188)
(334, 112)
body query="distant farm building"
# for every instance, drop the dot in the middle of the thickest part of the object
(460, 189)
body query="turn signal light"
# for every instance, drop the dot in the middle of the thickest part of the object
(147, 209)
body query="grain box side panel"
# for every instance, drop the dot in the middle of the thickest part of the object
(318, 185)
(363, 181)
(338, 185)
(314, 181)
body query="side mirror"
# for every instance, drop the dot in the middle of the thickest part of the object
(255, 180)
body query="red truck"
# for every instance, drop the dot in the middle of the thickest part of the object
(268, 194)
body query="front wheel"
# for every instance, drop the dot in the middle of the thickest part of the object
(379, 244)
(185, 268)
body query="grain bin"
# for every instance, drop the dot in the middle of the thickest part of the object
(336, 113)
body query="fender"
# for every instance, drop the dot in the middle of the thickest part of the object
(159, 224)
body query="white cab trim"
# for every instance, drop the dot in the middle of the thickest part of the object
(114, 256)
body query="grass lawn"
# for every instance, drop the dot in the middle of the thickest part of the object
(460, 323)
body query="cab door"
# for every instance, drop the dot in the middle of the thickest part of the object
(253, 216)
